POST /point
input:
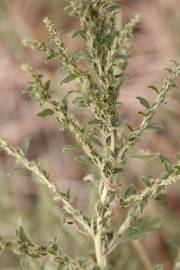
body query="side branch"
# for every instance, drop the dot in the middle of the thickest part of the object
(135, 135)
(56, 49)
(136, 200)
(43, 177)
(64, 117)
(26, 247)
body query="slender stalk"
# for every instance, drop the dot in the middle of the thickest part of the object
(99, 246)
(99, 250)
(135, 210)
(143, 255)
(135, 135)
(28, 248)
(43, 177)
(98, 243)
(124, 226)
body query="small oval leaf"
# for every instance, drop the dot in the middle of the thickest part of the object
(144, 155)
(68, 79)
(155, 126)
(25, 145)
(144, 102)
(45, 112)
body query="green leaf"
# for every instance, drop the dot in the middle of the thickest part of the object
(34, 255)
(47, 85)
(72, 146)
(144, 102)
(169, 70)
(117, 170)
(154, 88)
(142, 205)
(168, 167)
(82, 55)
(68, 79)
(155, 126)
(129, 127)
(64, 103)
(141, 228)
(80, 102)
(146, 180)
(84, 159)
(144, 155)
(31, 91)
(131, 190)
(45, 112)
(95, 141)
(167, 164)
(50, 56)
(94, 122)
(53, 246)
(177, 169)
(25, 145)
(161, 197)
(76, 33)
(21, 235)
(63, 70)
(142, 113)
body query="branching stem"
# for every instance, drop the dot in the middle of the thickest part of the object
(43, 177)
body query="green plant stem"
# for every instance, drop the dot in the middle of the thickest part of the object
(99, 245)
(100, 254)
(43, 177)
(131, 216)
(62, 54)
(64, 117)
(35, 251)
(135, 135)
(121, 42)
(135, 210)
(75, 128)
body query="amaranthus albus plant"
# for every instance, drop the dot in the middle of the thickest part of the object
(97, 87)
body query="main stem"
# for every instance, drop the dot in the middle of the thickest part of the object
(99, 249)
(101, 256)
(98, 243)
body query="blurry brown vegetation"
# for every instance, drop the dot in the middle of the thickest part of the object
(156, 42)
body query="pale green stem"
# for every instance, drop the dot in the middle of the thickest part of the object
(99, 246)
(44, 178)
(28, 248)
(134, 212)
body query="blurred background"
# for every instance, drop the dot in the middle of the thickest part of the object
(22, 202)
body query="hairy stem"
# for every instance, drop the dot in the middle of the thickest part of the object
(28, 248)
(99, 245)
(135, 210)
(43, 177)
(135, 135)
